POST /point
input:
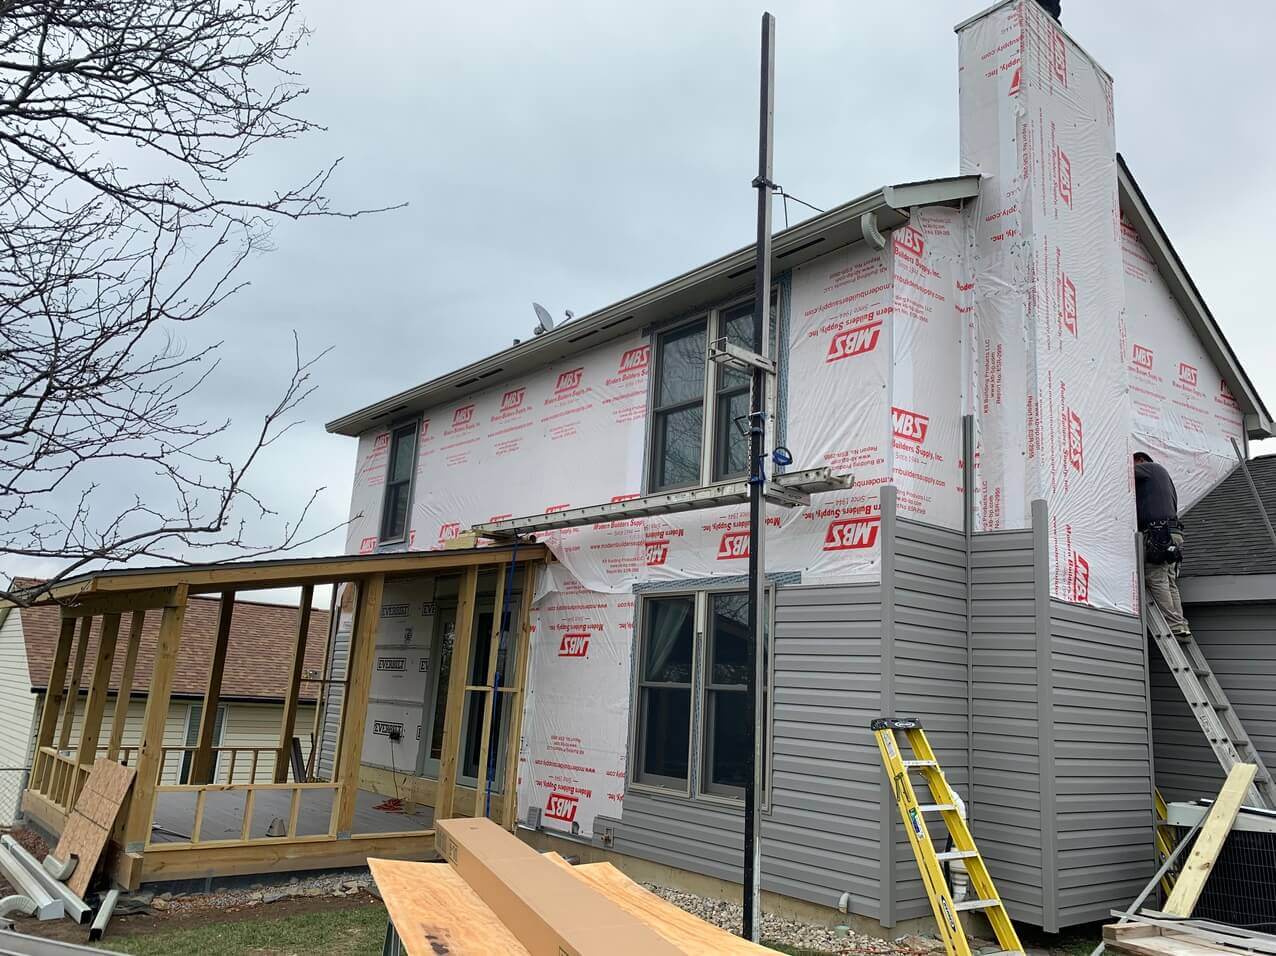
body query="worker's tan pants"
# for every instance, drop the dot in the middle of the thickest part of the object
(1163, 583)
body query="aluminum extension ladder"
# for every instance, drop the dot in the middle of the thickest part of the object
(1210, 706)
(928, 860)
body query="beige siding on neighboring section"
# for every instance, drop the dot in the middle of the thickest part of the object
(17, 714)
(257, 725)
(245, 725)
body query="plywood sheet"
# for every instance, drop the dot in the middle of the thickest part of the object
(689, 933)
(89, 825)
(434, 911)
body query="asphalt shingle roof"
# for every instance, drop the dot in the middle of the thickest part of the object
(1225, 533)
(258, 657)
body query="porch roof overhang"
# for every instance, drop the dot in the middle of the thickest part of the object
(95, 589)
(883, 209)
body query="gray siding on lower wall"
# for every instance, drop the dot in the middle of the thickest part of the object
(821, 830)
(334, 694)
(931, 681)
(1239, 641)
(1006, 806)
(1102, 759)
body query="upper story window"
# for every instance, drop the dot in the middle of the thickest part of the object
(398, 483)
(698, 407)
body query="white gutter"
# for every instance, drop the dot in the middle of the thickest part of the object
(838, 226)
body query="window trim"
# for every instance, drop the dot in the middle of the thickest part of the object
(712, 319)
(397, 427)
(657, 783)
(694, 787)
(655, 410)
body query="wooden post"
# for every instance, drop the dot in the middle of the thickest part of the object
(458, 677)
(202, 762)
(141, 804)
(289, 722)
(489, 695)
(95, 706)
(73, 692)
(1200, 862)
(53, 700)
(522, 650)
(354, 703)
(125, 692)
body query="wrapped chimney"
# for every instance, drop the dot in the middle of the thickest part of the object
(1047, 372)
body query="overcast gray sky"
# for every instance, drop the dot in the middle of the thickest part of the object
(575, 153)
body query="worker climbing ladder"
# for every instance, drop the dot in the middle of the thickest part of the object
(929, 861)
(1210, 706)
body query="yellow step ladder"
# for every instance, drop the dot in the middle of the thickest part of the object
(985, 898)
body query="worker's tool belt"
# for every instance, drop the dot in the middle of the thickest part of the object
(1159, 544)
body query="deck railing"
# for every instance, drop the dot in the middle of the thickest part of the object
(56, 777)
(229, 761)
(250, 791)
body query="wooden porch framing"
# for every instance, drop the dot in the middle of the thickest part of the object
(60, 765)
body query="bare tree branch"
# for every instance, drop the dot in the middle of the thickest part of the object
(100, 264)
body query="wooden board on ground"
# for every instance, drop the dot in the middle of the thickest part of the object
(89, 826)
(1183, 939)
(434, 911)
(689, 933)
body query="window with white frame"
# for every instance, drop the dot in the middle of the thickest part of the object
(691, 711)
(397, 499)
(698, 408)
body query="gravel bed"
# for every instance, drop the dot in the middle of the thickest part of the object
(342, 883)
(795, 933)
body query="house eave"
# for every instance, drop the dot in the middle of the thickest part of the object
(713, 282)
(1227, 588)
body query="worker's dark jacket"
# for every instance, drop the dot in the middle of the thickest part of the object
(1155, 495)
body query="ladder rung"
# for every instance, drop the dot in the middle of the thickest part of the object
(935, 807)
(955, 855)
(1222, 708)
(976, 905)
(921, 763)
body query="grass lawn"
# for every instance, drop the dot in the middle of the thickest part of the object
(350, 931)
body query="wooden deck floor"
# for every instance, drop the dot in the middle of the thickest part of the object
(224, 815)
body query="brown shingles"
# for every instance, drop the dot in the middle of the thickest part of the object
(258, 660)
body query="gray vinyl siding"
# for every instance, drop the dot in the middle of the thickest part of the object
(1239, 641)
(333, 694)
(1063, 764)
(927, 579)
(1006, 809)
(1102, 781)
(1038, 710)
(821, 832)
(822, 836)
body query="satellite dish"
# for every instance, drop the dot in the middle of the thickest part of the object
(544, 321)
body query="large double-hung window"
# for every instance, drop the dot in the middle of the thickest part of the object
(691, 714)
(699, 409)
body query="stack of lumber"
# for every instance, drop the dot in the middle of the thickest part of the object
(498, 895)
(1148, 935)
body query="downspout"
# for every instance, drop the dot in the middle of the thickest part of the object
(968, 527)
(886, 798)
